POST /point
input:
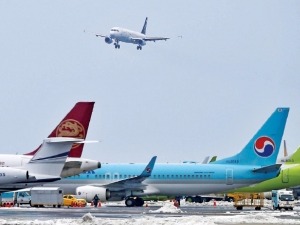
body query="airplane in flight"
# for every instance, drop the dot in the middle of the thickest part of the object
(255, 163)
(75, 125)
(119, 34)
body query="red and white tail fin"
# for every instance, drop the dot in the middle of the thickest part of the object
(75, 125)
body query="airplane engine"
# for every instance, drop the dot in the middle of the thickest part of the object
(108, 40)
(12, 175)
(88, 192)
(74, 166)
(142, 42)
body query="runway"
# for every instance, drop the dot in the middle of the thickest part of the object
(155, 213)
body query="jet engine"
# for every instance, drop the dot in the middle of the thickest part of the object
(141, 42)
(88, 192)
(108, 40)
(10, 175)
(74, 166)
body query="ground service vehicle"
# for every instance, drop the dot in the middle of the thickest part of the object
(46, 196)
(71, 200)
(241, 200)
(22, 197)
(282, 199)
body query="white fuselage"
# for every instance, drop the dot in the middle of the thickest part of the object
(127, 36)
(72, 167)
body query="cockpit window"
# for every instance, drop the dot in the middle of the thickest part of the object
(116, 30)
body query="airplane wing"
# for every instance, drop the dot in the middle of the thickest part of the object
(150, 39)
(100, 35)
(132, 183)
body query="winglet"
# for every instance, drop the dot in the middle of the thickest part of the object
(148, 169)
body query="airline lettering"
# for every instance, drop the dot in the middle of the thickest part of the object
(89, 172)
(233, 161)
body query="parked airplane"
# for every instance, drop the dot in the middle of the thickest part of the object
(118, 34)
(289, 177)
(75, 125)
(255, 163)
(45, 166)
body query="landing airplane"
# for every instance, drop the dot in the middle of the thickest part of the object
(75, 124)
(118, 34)
(255, 163)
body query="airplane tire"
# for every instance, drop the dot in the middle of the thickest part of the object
(139, 202)
(130, 202)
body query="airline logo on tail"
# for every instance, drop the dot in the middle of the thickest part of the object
(71, 128)
(264, 146)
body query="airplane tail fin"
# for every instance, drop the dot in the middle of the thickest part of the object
(295, 158)
(264, 147)
(50, 158)
(75, 125)
(145, 26)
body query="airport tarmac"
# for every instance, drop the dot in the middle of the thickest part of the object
(155, 213)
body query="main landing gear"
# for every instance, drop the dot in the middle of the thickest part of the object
(130, 202)
(139, 47)
(117, 45)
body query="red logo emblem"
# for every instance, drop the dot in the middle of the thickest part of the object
(70, 128)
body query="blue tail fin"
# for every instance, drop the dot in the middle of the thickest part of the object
(145, 26)
(263, 148)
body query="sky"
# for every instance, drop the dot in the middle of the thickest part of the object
(206, 91)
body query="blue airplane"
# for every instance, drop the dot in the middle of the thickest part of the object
(255, 163)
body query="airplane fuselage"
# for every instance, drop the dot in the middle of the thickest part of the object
(289, 177)
(72, 165)
(127, 36)
(171, 179)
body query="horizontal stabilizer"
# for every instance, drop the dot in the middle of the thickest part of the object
(63, 139)
(267, 169)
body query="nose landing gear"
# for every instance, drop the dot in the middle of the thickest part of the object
(139, 47)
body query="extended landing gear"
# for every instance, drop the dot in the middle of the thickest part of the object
(139, 47)
(130, 202)
(116, 45)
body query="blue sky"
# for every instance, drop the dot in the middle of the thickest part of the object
(203, 94)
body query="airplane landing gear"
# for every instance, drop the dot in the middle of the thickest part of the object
(139, 47)
(116, 45)
(131, 202)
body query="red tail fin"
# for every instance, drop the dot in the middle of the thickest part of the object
(75, 124)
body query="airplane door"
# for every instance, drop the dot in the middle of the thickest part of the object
(285, 175)
(229, 176)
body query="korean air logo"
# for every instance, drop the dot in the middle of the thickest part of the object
(264, 146)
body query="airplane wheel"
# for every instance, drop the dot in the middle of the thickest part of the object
(139, 202)
(118, 46)
(129, 202)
